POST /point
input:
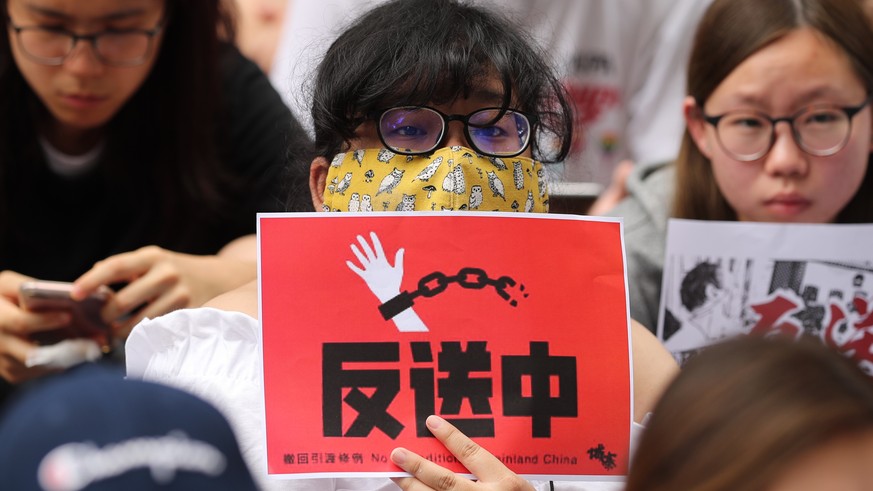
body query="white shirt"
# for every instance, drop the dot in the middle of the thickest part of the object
(624, 64)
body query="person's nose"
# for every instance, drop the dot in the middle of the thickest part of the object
(786, 158)
(455, 135)
(83, 60)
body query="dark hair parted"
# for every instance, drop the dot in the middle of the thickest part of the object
(730, 32)
(418, 52)
(163, 146)
(741, 413)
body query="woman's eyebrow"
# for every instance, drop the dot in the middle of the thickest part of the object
(754, 98)
(57, 14)
(123, 14)
(47, 12)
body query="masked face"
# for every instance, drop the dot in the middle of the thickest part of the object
(451, 178)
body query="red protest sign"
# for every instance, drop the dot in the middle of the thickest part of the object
(514, 328)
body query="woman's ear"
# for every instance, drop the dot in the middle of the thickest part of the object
(696, 125)
(318, 181)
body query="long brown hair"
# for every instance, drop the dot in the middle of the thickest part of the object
(742, 412)
(730, 32)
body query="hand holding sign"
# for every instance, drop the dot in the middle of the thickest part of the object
(491, 473)
(383, 279)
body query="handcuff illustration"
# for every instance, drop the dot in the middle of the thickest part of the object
(435, 283)
(384, 280)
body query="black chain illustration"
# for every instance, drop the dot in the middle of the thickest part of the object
(437, 282)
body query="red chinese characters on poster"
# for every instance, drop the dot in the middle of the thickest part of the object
(515, 329)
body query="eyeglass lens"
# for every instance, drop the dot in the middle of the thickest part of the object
(53, 46)
(419, 129)
(819, 131)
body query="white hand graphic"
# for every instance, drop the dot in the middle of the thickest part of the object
(383, 279)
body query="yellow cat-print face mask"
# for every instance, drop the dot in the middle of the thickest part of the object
(453, 178)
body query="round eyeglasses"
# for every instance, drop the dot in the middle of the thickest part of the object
(51, 45)
(492, 131)
(820, 130)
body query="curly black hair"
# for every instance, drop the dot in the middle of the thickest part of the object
(419, 52)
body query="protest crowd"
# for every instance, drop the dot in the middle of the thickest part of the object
(209, 279)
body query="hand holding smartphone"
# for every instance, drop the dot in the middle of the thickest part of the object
(85, 319)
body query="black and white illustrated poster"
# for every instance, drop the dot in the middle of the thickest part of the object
(724, 279)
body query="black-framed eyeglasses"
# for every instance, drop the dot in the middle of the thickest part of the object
(491, 131)
(52, 45)
(820, 130)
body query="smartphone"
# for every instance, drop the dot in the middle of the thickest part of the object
(85, 319)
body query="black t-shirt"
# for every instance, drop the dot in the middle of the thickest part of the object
(64, 225)
(61, 226)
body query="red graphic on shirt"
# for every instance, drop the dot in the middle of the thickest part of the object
(590, 102)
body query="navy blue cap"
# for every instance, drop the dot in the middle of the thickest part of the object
(89, 429)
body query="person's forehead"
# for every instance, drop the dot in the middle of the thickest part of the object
(488, 89)
(802, 67)
(490, 92)
(91, 10)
